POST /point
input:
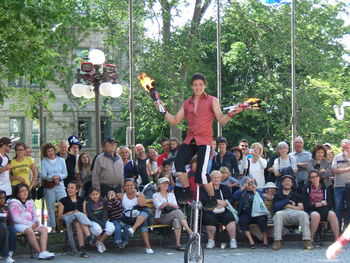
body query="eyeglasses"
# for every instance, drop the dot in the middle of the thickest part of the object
(245, 146)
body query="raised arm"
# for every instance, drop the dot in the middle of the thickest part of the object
(221, 118)
(173, 120)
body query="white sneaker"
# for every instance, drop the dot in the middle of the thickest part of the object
(233, 243)
(148, 250)
(131, 231)
(46, 255)
(99, 247)
(103, 246)
(8, 260)
(211, 243)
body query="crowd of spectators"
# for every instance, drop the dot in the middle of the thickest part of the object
(106, 195)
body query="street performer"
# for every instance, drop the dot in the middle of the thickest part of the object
(199, 110)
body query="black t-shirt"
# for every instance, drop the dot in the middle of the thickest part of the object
(69, 205)
(293, 196)
(142, 170)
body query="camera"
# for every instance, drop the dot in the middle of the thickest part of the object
(250, 183)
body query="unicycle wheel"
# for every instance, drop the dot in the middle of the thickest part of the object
(194, 251)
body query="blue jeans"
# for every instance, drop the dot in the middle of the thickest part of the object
(339, 196)
(12, 238)
(146, 213)
(120, 236)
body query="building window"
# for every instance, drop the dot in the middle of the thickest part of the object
(36, 134)
(16, 130)
(17, 83)
(105, 129)
(84, 131)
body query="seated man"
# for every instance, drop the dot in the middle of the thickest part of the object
(289, 209)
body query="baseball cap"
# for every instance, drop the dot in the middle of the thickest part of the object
(73, 140)
(287, 176)
(221, 139)
(163, 180)
(111, 140)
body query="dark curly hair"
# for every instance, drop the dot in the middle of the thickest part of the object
(16, 191)
(317, 148)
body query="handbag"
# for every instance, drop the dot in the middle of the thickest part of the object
(219, 210)
(129, 216)
(258, 206)
(48, 184)
(168, 209)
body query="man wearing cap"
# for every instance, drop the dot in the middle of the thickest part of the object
(108, 171)
(74, 148)
(5, 166)
(302, 157)
(289, 209)
(225, 158)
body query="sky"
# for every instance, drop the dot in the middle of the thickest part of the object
(185, 13)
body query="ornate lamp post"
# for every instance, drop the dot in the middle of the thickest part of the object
(95, 78)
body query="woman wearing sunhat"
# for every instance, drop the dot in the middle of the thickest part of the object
(168, 212)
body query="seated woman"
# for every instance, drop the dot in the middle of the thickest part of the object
(246, 196)
(132, 198)
(317, 201)
(115, 211)
(5, 245)
(270, 190)
(70, 209)
(23, 214)
(168, 212)
(220, 214)
(95, 207)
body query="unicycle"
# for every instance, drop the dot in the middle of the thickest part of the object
(194, 252)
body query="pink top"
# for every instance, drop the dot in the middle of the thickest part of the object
(200, 123)
(23, 213)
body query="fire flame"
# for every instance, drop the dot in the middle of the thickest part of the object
(254, 103)
(146, 82)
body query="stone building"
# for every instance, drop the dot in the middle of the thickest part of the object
(65, 119)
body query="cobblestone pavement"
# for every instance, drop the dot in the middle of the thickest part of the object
(291, 252)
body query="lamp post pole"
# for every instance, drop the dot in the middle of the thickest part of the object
(131, 130)
(97, 118)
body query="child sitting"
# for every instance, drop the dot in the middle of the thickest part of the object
(70, 209)
(227, 179)
(96, 210)
(115, 210)
(4, 233)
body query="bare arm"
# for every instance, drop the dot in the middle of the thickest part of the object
(35, 176)
(141, 200)
(340, 170)
(173, 120)
(221, 118)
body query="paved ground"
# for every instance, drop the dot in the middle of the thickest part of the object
(294, 253)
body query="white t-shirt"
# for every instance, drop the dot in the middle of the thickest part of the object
(257, 171)
(158, 200)
(5, 182)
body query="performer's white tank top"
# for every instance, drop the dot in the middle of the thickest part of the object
(129, 203)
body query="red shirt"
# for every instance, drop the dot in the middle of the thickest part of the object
(200, 123)
(316, 195)
(161, 158)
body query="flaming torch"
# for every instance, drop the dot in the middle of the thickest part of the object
(250, 103)
(150, 86)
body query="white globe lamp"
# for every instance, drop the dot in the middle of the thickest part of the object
(97, 57)
(117, 90)
(106, 89)
(78, 90)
